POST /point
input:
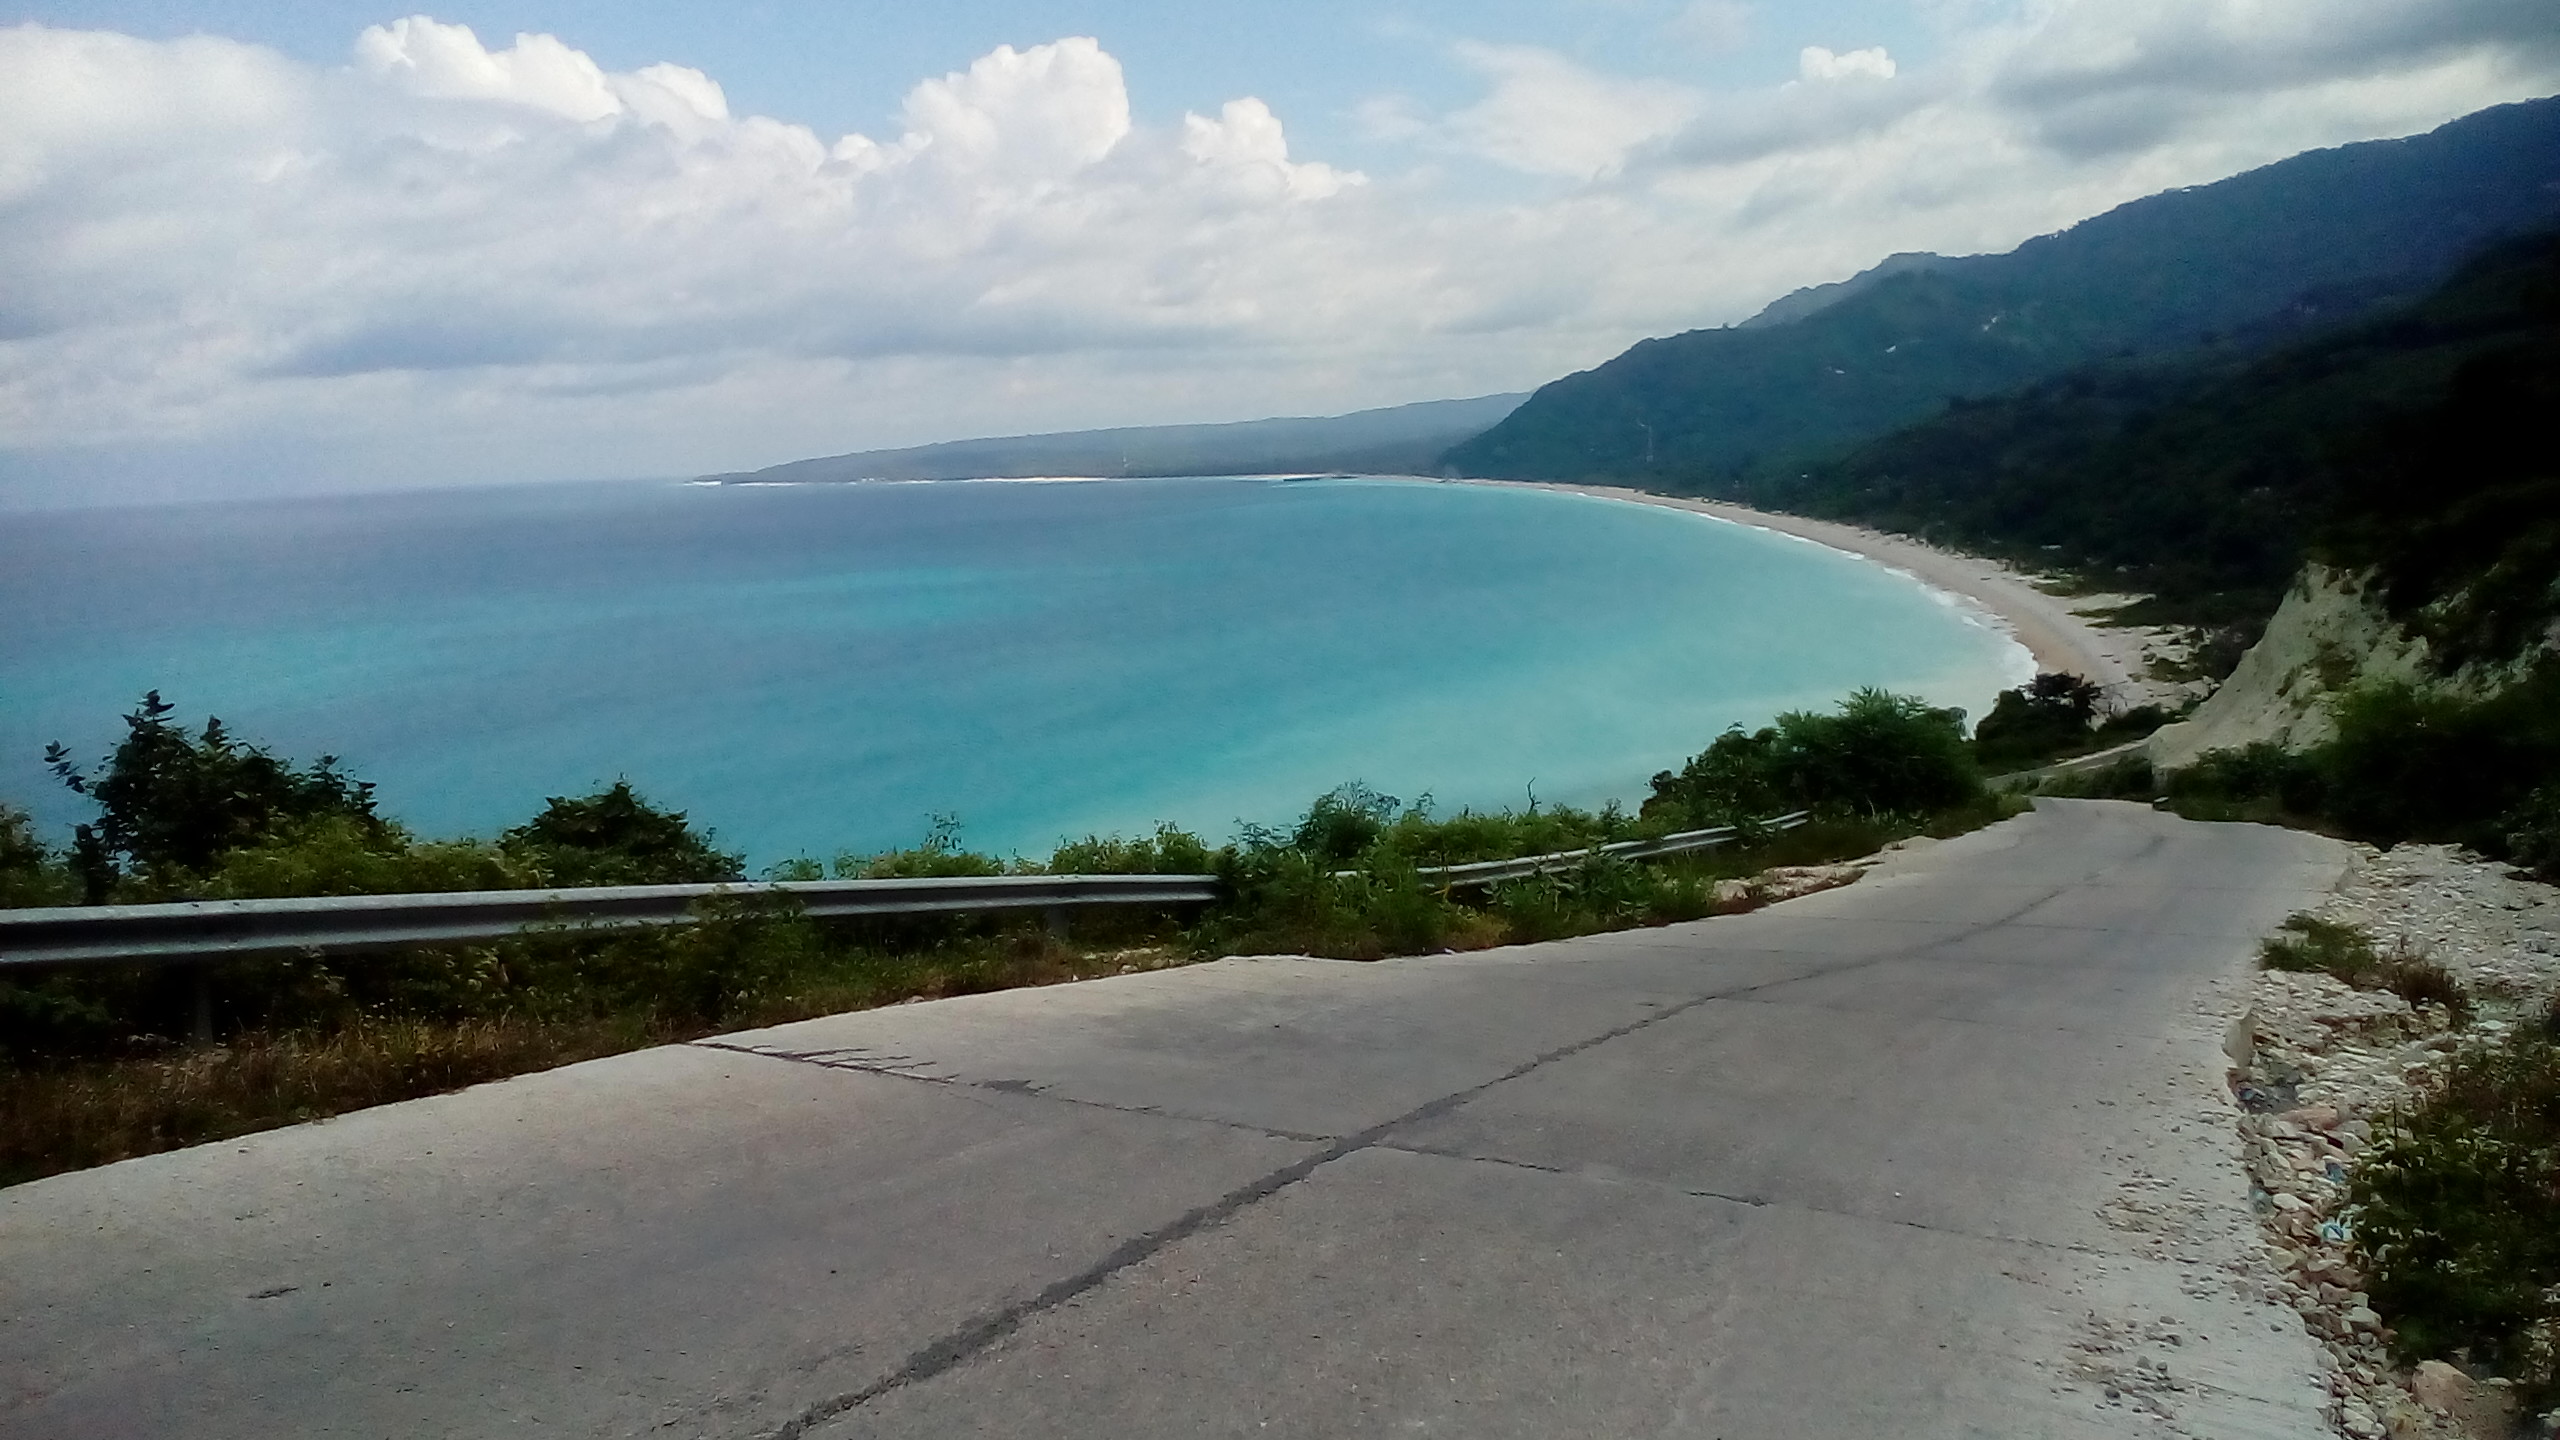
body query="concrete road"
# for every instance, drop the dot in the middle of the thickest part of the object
(1942, 1153)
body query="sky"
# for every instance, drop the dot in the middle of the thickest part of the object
(308, 246)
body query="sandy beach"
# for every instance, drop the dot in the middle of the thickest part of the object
(2053, 632)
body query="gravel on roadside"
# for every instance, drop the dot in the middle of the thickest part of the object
(2316, 1063)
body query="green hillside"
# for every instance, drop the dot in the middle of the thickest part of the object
(2406, 440)
(2229, 266)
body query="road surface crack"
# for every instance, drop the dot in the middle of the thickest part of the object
(969, 1340)
(830, 1060)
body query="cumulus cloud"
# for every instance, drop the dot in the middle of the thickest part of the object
(450, 258)
(1246, 141)
(1816, 63)
(202, 227)
(447, 62)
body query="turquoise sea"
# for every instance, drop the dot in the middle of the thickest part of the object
(826, 668)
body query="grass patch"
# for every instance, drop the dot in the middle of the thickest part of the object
(2307, 944)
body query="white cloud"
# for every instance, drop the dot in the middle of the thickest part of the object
(206, 236)
(1549, 116)
(1247, 142)
(447, 62)
(1816, 63)
(1037, 114)
(446, 260)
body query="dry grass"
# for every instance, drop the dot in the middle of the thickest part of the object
(74, 1115)
(2307, 943)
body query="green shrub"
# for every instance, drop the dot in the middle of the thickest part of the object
(2533, 831)
(1170, 851)
(2261, 781)
(1344, 821)
(336, 856)
(2054, 715)
(1877, 754)
(2407, 764)
(2457, 1210)
(169, 803)
(29, 873)
(2127, 777)
(1284, 898)
(2305, 943)
(614, 837)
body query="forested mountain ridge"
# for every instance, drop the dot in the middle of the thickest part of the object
(2405, 442)
(2300, 243)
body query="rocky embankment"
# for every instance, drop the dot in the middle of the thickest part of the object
(2319, 1062)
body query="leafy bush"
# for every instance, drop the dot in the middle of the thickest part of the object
(1881, 753)
(2409, 764)
(614, 837)
(336, 856)
(2053, 715)
(2533, 831)
(29, 874)
(2457, 1208)
(2264, 781)
(1344, 821)
(171, 803)
(1877, 754)
(1282, 897)
(1170, 851)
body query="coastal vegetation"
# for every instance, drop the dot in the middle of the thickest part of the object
(2457, 1208)
(95, 1066)
(2407, 763)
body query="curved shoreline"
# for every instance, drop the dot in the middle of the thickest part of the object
(2058, 637)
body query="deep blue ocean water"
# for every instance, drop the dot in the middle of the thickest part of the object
(816, 669)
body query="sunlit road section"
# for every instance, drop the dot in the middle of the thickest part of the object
(1943, 1153)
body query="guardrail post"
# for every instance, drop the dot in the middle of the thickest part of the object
(200, 1023)
(1055, 917)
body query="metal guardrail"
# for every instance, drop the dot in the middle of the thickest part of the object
(345, 924)
(1489, 872)
(206, 930)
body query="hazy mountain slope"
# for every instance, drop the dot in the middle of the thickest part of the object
(2289, 245)
(1797, 304)
(1402, 439)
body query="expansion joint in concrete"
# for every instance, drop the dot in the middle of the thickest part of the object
(1759, 1202)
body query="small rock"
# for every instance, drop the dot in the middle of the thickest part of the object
(2362, 1317)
